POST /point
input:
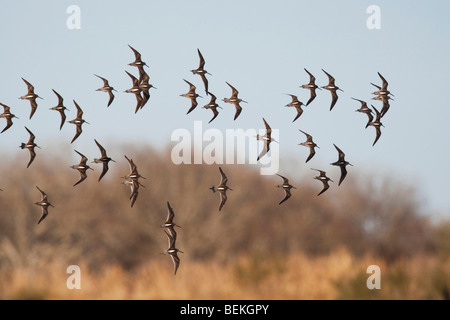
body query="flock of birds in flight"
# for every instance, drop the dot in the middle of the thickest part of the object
(141, 89)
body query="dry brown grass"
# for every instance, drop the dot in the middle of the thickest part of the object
(338, 275)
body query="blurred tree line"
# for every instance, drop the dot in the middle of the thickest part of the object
(94, 223)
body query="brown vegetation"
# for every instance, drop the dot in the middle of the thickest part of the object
(309, 247)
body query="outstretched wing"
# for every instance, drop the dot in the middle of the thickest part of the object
(43, 194)
(102, 150)
(343, 174)
(234, 92)
(223, 198)
(170, 213)
(287, 195)
(223, 177)
(330, 78)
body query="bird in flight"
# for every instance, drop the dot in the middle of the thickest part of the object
(267, 139)
(235, 100)
(104, 160)
(377, 125)
(60, 108)
(322, 177)
(192, 95)
(173, 252)
(201, 71)
(107, 88)
(8, 116)
(222, 188)
(82, 167)
(297, 104)
(30, 145)
(138, 60)
(311, 86)
(331, 86)
(310, 144)
(286, 186)
(212, 105)
(365, 109)
(78, 122)
(342, 163)
(169, 224)
(30, 96)
(136, 90)
(44, 204)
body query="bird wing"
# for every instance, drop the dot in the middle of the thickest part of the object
(83, 158)
(139, 101)
(334, 98)
(223, 177)
(341, 154)
(238, 110)
(29, 86)
(170, 239)
(176, 262)
(102, 150)
(370, 119)
(111, 97)
(312, 152)
(9, 123)
(265, 149)
(343, 174)
(378, 131)
(191, 86)
(79, 130)
(312, 79)
(104, 170)
(194, 104)
(308, 136)
(268, 128)
(137, 55)
(133, 78)
(376, 86)
(170, 213)
(44, 214)
(287, 195)
(43, 194)
(363, 103)
(134, 197)
(60, 99)
(63, 118)
(79, 110)
(385, 83)
(325, 187)
(330, 78)
(32, 137)
(6, 109)
(172, 232)
(285, 180)
(215, 112)
(322, 173)
(223, 198)
(83, 176)
(205, 81)
(299, 112)
(131, 163)
(313, 95)
(202, 60)
(33, 107)
(105, 82)
(234, 92)
(32, 156)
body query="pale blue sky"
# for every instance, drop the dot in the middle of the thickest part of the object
(261, 47)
